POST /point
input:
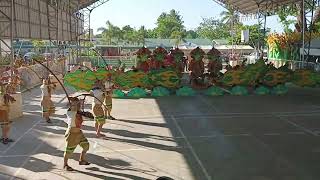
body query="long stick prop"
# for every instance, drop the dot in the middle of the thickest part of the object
(64, 89)
(34, 72)
(85, 95)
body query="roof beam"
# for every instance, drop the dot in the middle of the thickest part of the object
(253, 6)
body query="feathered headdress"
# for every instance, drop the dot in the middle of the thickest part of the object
(143, 54)
(214, 54)
(197, 53)
(177, 54)
(160, 53)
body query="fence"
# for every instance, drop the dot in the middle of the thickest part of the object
(97, 61)
(294, 65)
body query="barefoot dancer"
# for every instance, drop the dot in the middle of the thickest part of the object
(46, 103)
(97, 108)
(74, 135)
(109, 86)
(5, 99)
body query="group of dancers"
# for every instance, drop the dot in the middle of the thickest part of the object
(101, 110)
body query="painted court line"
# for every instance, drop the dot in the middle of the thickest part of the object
(17, 140)
(126, 150)
(236, 135)
(211, 106)
(297, 126)
(179, 116)
(24, 134)
(192, 150)
(272, 134)
(27, 160)
(297, 133)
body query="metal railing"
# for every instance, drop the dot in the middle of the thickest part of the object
(97, 61)
(295, 65)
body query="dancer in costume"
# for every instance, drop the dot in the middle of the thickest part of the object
(47, 105)
(214, 66)
(74, 135)
(143, 55)
(109, 86)
(5, 99)
(196, 67)
(97, 109)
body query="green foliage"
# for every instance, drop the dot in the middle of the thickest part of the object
(169, 24)
(283, 15)
(213, 29)
(294, 11)
(111, 34)
(255, 35)
(191, 34)
(230, 16)
(38, 44)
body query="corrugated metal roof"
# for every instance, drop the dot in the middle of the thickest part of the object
(253, 6)
(243, 6)
(168, 43)
(76, 4)
(85, 3)
(220, 42)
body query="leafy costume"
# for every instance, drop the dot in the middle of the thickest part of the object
(197, 68)
(177, 55)
(158, 57)
(214, 65)
(143, 54)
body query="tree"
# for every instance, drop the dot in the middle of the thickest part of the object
(297, 11)
(286, 23)
(167, 23)
(38, 44)
(128, 34)
(178, 36)
(230, 17)
(191, 34)
(211, 28)
(141, 35)
(151, 33)
(98, 36)
(110, 33)
(256, 37)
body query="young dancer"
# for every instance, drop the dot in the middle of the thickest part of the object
(97, 109)
(74, 135)
(109, 86)
(47, 105)
(5, 99)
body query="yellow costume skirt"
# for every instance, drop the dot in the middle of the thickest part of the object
(98, 114)
(75, 137)
(47, 105)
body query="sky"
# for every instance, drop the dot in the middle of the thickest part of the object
(145, 12)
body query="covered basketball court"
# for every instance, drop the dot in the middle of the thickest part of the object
(225, 138)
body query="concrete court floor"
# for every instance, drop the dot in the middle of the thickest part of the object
(201, 138)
